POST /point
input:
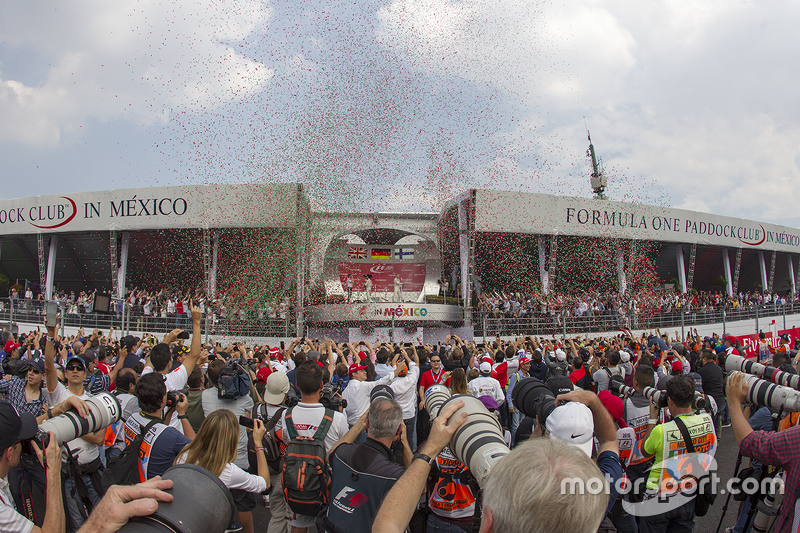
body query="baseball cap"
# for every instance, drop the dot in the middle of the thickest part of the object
(487, 359)
(572, 422)
(524, 359)
(677, 366)
(76, 358)
(614, 406)
(10, 346)
(355, 367)
(262, 374)
(277, 387)
(624, 356)
(486, 368)
(274, 352)
(560, 385)
(37, 364)
(561, 355)
(14, 425)
(129, 341)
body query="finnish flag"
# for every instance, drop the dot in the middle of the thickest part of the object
(403, 253)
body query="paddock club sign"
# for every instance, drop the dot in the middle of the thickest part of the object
(151, 208)
(499, 211)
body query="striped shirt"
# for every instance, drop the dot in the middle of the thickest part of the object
(14, 389)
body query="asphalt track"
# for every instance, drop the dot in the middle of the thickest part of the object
(726, 460)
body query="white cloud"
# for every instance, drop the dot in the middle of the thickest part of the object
(136, 60)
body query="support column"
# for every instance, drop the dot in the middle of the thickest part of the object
(113, 260)
(736, 270)
(771, 278)
(122, 272)
(763, 268)
(791, 275)
(551, 271)
(465, 256)
(544, 278)
(692, 261)
(302, 225)
(51, 267)
(681, 268)
(623, 280)
(212, 274)
(726, 266)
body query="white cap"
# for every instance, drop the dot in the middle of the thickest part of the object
(624, 356)
(572, 422)
(486, 368)
(561, 355)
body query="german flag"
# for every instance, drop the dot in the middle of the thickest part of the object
(382, 253)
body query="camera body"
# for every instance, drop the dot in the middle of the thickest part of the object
(173, 397)
(331, 398)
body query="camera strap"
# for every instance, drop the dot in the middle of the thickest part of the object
(78, 485)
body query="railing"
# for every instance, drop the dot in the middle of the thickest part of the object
(133, 319)
(558, 324)
(249, 324)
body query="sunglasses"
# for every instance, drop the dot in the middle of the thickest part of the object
(436, 360)
(71, 368)
(35, 371)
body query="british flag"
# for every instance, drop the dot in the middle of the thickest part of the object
(357, 252)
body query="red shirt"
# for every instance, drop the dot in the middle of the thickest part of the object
(104, 368)
(577, 375)
(500, 373)
(429, 379)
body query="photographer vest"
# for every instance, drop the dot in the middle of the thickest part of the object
(673, 456)
(451, 496)
(362, 476)
(636, 418)
(135, 424)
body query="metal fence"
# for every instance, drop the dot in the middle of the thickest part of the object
(557, 324)
(131, 318)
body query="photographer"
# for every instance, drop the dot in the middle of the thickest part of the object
(161, 443)
(275, 393)
(778, 449)
(306, 417)
(242, 406)
(358, 390)
(14, 428)
(365, 468)
(666, 442)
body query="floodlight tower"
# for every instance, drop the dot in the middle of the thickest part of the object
(598, 179)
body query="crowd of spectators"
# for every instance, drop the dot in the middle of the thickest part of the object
(335, 394)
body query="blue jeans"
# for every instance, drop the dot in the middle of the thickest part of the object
(411, 432)
(680, 520)
(742, 520)
(74, 502)
(516, 418)
(437, 525)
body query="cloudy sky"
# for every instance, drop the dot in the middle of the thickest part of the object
(399, 104)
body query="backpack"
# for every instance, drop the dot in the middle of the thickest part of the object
(306, 479)
(614, 377)
(124, 468)
(233, 383)
(273, 445)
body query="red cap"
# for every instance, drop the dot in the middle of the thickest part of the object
(614, 406)
(677, 366)
(523, 360)
(262, 374)
(488, 359)
(275, 353)
(355, 367)
(10, 345)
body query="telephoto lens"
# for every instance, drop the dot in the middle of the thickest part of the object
(478, 442)
(104, 410)
(620, 389)
(737, 362)
(763, 393)
(200, 504)
(526, 395)
(435, 396)
(381, 391)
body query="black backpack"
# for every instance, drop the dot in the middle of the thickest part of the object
(271, 443)
(306, 478)
(124, 468)
(233, 383)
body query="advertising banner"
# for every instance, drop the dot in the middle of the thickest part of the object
(544, 214)
(412, 274)
(195, 206)
(750, 342)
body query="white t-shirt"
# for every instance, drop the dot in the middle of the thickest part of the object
(486, 386)
(83, 451)
(234, 477)
(405, 391)
(357, 396)
(10, 520)
(240, 406)
(175, 380)
(307, 417)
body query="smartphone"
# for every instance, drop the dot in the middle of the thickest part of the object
(51, 310)
(246, 421)
(183, 335)
(283, 348)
